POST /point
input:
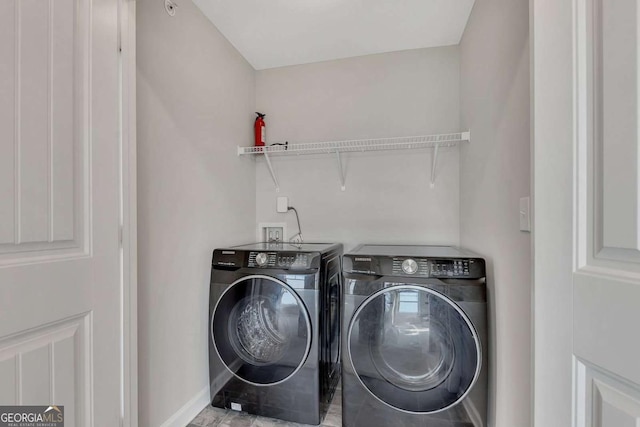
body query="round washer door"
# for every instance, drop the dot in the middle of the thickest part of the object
(414, 349)
(261, 330)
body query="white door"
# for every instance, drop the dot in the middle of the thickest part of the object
(60, 262)
(586, 86)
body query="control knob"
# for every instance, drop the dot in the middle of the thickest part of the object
(409, 266)
(261, 259)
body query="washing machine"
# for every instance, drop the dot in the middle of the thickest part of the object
(414, 337)
(274, 342)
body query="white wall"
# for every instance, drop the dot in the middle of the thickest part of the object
(195, 104)
(387, 197)
(494, 174)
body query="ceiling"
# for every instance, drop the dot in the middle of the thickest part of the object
(276, 33)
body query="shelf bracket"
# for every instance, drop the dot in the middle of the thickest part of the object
(273, 174)
(339, 160)
(434, 162)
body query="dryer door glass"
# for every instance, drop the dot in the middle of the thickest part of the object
(414, 349)
(261, 330)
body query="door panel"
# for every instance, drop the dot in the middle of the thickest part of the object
(611, 66)
(587, 218)
(609, 401)
(32, 107)
(606, 317)
(615, 72)
(48, 364)
(66, 198)
(60, 183)
(7, 120)
(45, 143)
(606, 282)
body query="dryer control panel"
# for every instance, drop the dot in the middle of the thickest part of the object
(440, 268)
(451, 268)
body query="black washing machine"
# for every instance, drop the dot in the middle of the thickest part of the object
(274, 342)
(414, 337)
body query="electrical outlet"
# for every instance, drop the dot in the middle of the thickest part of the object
(273, 232)
(282, 204)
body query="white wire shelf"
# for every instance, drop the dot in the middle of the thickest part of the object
(359, 145)
(399, 143)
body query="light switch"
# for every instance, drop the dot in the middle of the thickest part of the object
(282, 204)
(525, 214)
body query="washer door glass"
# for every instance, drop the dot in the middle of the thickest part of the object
(261, 330)
(414, 349)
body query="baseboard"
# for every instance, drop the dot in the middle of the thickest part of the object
(189, 411)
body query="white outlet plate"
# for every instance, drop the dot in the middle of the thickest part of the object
(525, 214)
(282, 204)
(236, 406)
(260, 233)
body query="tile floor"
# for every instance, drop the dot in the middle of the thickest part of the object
(217, 417)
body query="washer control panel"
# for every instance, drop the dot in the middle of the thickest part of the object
(280, 260)
(410, 266)
(451, 268)
(262, 259)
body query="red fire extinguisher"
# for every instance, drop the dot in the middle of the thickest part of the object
(260, 130)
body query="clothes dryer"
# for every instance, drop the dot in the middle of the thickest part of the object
(414, 337)
(274, 342)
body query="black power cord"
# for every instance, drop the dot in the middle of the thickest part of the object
(299, 235)
(286, 144)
